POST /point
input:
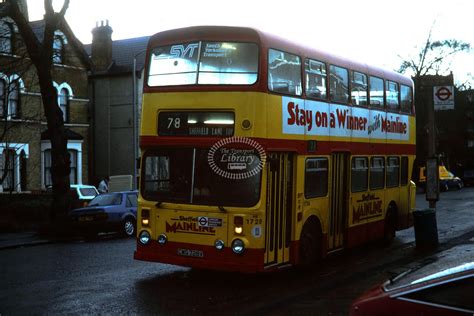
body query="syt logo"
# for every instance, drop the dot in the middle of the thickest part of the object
(181, 51)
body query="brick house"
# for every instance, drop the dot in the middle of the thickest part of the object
(25, 148)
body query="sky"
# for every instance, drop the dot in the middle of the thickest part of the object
(373, 31)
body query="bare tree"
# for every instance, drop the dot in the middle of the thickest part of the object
(434, 57)
(41, 55)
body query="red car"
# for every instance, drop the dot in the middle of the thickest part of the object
(439, 288)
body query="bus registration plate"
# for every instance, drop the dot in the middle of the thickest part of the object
(190, 253)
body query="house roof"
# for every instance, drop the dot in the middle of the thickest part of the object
(38, 29)
(123, 53)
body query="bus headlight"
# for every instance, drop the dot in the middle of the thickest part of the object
(144, 237)
(219, 244)
(238, 246)
(162, 239)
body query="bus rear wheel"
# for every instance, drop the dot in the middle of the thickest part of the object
(310, 244)
(390, 225)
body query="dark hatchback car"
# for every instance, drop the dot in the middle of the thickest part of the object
(468, 177)
(108, 212)
(439, 288)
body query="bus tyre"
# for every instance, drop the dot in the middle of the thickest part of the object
(310, 244)
(390, 226)
(90, 236)
(128, 227)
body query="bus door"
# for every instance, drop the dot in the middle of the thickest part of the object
(279, 207)
(338, 206)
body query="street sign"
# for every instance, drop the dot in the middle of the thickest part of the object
(443, 98)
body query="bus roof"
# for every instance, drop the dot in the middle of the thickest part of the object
(266, 41)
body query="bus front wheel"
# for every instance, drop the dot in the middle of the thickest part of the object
(310, 244)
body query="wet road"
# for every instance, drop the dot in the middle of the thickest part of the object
(101, 277)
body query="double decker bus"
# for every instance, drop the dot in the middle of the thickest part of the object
(258, 153)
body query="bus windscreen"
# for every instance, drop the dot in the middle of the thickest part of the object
(204, 63)
(184, 175)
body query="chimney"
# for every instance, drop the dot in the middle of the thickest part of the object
(101, 46)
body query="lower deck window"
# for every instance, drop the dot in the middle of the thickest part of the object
(377, 173)
(316, 177)
(393, 171)
(359, 174)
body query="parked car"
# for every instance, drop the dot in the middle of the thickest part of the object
(108, 212)
(82, 194)
(447, 180)
(468, 177)
(434, 289)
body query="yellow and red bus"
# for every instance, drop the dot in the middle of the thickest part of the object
(258, 153)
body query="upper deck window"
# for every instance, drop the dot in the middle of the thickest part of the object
(339, 84)
(358, 88)
(376, 92)
(392, 94)
(407, 98)
(217, 63)
(284, 72)
(315, 79)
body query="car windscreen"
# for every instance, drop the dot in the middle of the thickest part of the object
(427, 271)
(88, 192)
(106, 199)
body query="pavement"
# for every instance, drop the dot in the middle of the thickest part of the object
(22, 239)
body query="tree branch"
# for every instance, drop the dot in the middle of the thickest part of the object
(64, 8)
(48, 7)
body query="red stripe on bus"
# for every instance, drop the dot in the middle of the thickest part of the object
(299, 146)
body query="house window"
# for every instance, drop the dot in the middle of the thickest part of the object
(23, 171)
(13, 160)
(58, 49)
(13, 99)
(48, 182)
(64, 103)
(9, 96)
(75, 170)
(5, 38)
(3, 108)
(7, 168)
(73, 166)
